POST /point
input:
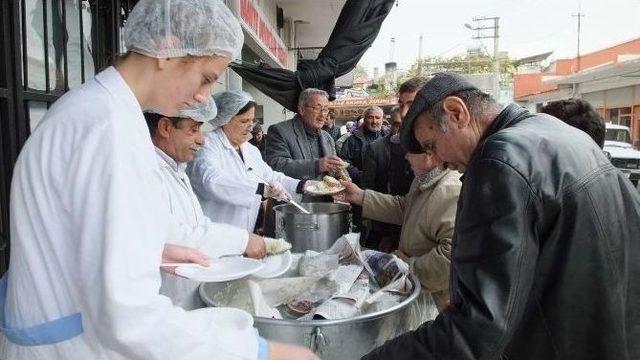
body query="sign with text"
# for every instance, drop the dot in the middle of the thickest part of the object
(363, 102)
(268, 37)
(349, 109)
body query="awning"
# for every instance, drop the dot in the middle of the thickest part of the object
(355, 30)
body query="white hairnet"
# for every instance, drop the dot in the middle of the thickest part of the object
(204, 112)
(176, 28)
(200, 113)
(229, 103)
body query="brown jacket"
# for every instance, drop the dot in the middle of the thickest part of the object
(427, 215)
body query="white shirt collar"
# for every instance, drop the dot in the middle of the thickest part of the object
(168, 160)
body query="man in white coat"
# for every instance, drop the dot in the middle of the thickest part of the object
(176, 140)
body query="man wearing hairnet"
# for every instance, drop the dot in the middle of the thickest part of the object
(228, 173)
(176, 141)
(89, 221)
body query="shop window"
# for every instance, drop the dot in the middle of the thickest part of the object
(619, 116)
(53, 27)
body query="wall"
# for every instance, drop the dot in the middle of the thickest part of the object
(529, 84)
(272, 111)
(619, 98)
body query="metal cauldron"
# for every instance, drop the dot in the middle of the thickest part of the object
(316, 231)
(335, 339)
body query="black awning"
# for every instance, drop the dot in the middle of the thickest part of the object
(355, 30)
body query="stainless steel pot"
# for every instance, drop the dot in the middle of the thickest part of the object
(316, 231)
(335, 339)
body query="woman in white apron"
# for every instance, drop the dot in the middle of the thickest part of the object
(228, 173)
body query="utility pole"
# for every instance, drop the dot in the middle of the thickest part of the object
(579, 15)
(481, 21)
(392, 49)
(420, 55)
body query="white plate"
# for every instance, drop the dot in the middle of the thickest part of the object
(225, 269)
(275, 265)
(313, 190)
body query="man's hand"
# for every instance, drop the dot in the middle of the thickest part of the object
(351, 193)
(181, 254)
(330, 163)
(255, 247)
(280, 351)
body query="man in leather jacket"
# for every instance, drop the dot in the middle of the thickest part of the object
(546, 248)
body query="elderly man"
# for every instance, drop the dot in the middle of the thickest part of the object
(376, 176)
(544, 261)
(176, 141)
(299, 147)
(370, 131)
(375, 160)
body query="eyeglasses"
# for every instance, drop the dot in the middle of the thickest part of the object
(318, 108)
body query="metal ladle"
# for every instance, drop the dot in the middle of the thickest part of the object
(290, 201)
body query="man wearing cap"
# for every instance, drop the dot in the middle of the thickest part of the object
(545, 248)
(176, 141)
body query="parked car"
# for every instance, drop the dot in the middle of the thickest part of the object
(618, 147)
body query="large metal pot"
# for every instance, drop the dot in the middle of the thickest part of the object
(316, 231)
(335, 339)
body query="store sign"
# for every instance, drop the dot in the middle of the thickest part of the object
(364, 102)
(252, 17)
(354, 108)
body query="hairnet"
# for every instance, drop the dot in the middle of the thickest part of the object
(229, 103)
(176, 28)
(200, 112)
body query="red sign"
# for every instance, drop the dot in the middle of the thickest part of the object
(252, 18)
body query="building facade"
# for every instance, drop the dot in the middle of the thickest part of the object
(609, 79)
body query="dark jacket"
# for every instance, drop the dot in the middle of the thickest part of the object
(375, 166)
(351, 151)
(545, 253)
(287, 149)
(334, 132)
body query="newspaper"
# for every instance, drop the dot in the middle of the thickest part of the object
(339, 283)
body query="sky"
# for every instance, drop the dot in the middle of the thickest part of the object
(527, 27)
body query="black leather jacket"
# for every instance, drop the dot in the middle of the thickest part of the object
(546, 253)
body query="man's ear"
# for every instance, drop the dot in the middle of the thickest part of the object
(301, 110)
(457, 111)
(164, 127)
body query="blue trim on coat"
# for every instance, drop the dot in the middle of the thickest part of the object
(49, 332)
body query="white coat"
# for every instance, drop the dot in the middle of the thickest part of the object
(88, 227)
(214, 239)
(225, 188)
